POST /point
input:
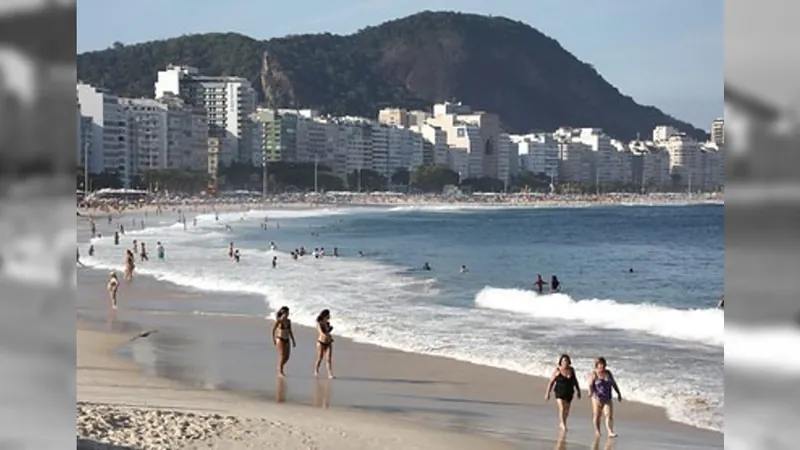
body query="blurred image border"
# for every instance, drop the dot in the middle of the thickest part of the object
(37, 86)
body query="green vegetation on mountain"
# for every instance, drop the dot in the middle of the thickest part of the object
(491, 63)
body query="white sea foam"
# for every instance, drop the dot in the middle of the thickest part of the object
(367, 298)
(698, 325)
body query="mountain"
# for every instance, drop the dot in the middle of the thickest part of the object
(490, 63)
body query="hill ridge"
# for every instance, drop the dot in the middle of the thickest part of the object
(492, 63)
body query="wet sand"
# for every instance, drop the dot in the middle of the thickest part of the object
(234, 354)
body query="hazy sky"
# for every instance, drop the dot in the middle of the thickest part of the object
(667, 53)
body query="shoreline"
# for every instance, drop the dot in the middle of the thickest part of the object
(634, 415)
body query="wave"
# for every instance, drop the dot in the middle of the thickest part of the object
(449, 208)
(706, 326)
(754, 348)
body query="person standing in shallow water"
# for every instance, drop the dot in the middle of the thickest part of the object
(564, 384)
(324, 343)
(281, 335)
(601, 384)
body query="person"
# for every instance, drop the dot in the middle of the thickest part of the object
(601, 384)
(721, 302)
(538, 285)
(236, 255)
(113, 286)
(230, 250)
(160, 252)
(135, 247)
(336, 252)
(143, 253)
(324, 343)
(130, 264)
(564, 384)
(281, 335)
(463, 268)
(91, 249)
(274, 262)
(116, 238)
(426, 266)
(555, 285)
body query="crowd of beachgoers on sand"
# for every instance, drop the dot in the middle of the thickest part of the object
(399, 199)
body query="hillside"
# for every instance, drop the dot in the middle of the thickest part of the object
(491, 63)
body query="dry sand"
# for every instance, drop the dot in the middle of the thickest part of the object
(120, 407)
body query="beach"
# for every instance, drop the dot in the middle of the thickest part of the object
(222, 364)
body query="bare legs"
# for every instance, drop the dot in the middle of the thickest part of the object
(326, 353)
(284, 352)
(563, 413)
(606, 410)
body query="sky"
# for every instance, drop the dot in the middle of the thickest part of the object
(666, 53)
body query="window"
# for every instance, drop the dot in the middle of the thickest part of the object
(460, 132)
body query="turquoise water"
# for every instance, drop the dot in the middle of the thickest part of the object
(657, 325)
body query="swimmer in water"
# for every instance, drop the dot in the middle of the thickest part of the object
(160, 251)
(360, 254)
(236, 255)
(538, 285)
(336, 252)
(426, 266)
(555, 285)
(274, 262)
(630, 270)
(230, 250)
(463, 269)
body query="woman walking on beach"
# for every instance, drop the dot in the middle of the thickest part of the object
(281, 334)
(113, 286)
(324, 343)
(564, 384)
(601, 384)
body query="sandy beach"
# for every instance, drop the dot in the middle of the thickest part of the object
(221, 371)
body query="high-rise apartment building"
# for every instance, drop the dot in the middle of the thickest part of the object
(108, 136)
(167, 133)
(718, 131)
(229, 103)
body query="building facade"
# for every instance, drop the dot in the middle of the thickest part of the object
(108, 137)
(229, 103)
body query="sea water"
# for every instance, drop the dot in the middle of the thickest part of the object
(658, 325)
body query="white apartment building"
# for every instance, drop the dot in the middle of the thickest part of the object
(229, 103)
(712, 167)
(649, 166)
(538, 153)
(436, 138)
(718, 131)
(662, 133)
(684, 158)
(607, 162)
(166, 133)
(576, 161)
(109, 132)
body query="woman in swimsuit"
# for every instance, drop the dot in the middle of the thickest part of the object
(130, 265)
(113, 287)
(564, 384)
(281, 334)
(324, 343)
(601, 384)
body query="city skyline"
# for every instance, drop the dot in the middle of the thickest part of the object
(643, 57)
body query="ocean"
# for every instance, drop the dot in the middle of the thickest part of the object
(658, 326)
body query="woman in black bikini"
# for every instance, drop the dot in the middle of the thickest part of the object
(324, 343)
(564, 384)
(281, 334)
